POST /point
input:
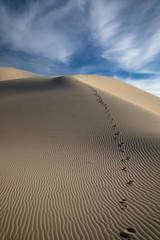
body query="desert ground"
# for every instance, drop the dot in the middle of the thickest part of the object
(79, 158)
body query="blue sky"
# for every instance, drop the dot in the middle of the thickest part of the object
(116, 38)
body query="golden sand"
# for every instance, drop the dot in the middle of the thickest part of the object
(79, 159)
(7, 73)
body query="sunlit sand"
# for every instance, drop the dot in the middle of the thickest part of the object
(79, 158)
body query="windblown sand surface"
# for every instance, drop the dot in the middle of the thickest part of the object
(12, 73)
(78, 160)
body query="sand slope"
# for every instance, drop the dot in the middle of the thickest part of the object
(7, 73)
(77, 162)
(123, 90)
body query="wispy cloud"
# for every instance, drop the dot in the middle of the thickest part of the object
(126, 32)
(42, 28)
(151, 85)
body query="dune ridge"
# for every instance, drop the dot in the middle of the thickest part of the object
(123, 90)
(7, 73)
(77, 162)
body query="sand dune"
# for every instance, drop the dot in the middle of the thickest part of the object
(7, 73)
(78, 161)
(123, 90)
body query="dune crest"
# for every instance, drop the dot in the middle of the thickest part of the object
(122, 90)
(7, 73)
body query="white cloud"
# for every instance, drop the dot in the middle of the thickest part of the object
(103, 22)
(35, 30)
(152, 47)
(127, 35)
(149, 85)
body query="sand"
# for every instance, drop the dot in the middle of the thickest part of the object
(7, 73)
(79, 159)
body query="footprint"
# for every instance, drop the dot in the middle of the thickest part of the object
(111, 121)
(130, 182)
(124, 235)
(131, 230)
(124, 169)
(121, 144)
(128, 233)
(121, 150)
(114, 127)
(123, 205)
(116, 135)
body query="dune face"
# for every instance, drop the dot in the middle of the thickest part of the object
(123, 90)
(12, 73)
(77, 162)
